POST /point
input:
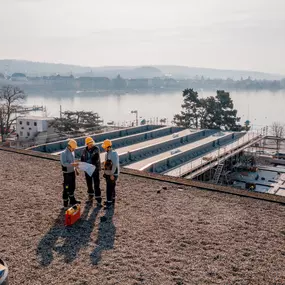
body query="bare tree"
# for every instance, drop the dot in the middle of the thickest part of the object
(278, 131)
(10, 99)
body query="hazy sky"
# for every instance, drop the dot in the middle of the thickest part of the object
(231, 34)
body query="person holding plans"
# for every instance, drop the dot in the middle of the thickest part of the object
(68, 164)
(91, 154)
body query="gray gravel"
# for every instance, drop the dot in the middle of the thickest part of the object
(159, 233)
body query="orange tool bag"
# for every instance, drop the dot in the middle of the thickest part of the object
(72, 215)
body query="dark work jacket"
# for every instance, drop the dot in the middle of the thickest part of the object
(94, 152)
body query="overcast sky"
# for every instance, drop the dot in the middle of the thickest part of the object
(231, 34)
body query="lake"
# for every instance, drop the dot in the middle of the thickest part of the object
(261, 108)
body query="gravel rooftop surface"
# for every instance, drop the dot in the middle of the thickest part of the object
(158, 233)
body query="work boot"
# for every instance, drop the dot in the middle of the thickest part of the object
(73, 201)
(108, 206)
(99, 202)
(113, 202)
(65, 204)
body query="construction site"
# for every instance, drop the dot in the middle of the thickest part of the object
(224, 158)
(182, 215)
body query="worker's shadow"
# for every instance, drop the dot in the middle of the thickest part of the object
(106, 236)
(47, 243)
(67, 241)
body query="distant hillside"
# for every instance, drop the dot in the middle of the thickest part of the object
(191, 72)
(39, 68)
(42, 69)
(178, 72)
(125, 72)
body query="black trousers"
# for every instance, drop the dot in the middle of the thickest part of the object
(94, 180)
(68, 186)
(111, 189)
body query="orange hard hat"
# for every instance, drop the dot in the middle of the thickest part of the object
(106, 144)
(72, 143)
(89, 140)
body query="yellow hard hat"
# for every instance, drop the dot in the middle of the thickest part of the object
(89, 140)
(106, 144)
(72, 143)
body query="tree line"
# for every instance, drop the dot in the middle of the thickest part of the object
(155, 83)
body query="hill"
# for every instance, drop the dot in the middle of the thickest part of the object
(40, 69)
(191, 72)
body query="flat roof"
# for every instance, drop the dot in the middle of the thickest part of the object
(158, 233)
(36, 118)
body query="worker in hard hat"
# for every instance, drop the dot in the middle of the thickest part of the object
(67, 160)
(91, 154)
(111, 172)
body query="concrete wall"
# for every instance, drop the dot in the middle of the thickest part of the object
(60, 145)
(187, 156)
(134, 139)
(151, 150)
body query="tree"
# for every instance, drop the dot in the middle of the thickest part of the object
(278, 131)
(210, 117)
(208, 113)
(189, 117)
(77, 122)
(10, 99)
(228, 114)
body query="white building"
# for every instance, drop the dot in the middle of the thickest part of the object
(29, 127)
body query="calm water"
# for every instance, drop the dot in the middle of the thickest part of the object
(262, 108)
